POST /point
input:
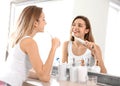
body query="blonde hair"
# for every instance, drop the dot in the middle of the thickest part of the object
(25, 23)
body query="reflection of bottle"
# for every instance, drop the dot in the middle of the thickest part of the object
(82, 62)
(88, 62)
(73, 64)
(82, 74)
(96, 67)
(73, 74)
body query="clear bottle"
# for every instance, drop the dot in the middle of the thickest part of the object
(96, 67)
(73, 64)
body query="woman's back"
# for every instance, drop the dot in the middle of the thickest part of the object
(16, 67)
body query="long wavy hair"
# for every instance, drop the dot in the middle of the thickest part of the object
(25, 23)
(88, 36)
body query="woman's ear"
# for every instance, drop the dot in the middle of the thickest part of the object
(35, 24)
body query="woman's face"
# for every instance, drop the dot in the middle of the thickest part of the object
(79, 28)
(41, 22)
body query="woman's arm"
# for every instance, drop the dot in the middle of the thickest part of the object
(32, 74)
(65, 52)
(97, 54)
(96, 51)
(30, 47)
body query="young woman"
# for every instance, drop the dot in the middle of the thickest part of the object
(87, 52)
(24, 54)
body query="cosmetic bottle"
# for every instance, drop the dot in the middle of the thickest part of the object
(96, 68)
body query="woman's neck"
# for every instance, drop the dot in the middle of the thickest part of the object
(33, 33)
(77, 43)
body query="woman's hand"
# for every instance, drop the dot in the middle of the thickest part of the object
(94, 49)
(97, 54)
(90, 45)
(55, 42)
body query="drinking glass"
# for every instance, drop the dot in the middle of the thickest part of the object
(92, 80)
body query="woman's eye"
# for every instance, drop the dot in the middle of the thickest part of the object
(79, 26)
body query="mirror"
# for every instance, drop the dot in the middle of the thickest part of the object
(60, 13)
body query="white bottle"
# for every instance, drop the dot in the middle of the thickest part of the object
(73, 73)
(62, 71)
(82, 74)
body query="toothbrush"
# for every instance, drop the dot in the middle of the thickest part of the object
(79, 39)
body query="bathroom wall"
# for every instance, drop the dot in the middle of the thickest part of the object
(4, 24)
(97, 12)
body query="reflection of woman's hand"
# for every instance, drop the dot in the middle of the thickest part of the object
(94, 49)
(97, 54)
(90, 45)
(55, 42)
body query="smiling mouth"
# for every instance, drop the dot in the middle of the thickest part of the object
(76, 32)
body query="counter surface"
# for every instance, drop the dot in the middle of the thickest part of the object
(55, 82)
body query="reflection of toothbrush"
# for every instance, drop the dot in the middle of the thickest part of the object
(79, 39)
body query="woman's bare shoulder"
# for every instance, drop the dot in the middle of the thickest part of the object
(66, 42)
(28, 44)
(28, 40)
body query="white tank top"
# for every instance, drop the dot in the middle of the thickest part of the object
(87, 57)
(15, 70)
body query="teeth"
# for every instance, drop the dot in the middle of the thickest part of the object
(72, 34)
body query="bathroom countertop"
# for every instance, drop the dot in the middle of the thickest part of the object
(55, 82)
(102, 80)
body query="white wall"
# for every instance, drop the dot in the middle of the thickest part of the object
(97, 12)
(112, 53)
(4, 21)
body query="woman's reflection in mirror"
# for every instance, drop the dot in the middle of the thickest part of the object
(86, 49)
